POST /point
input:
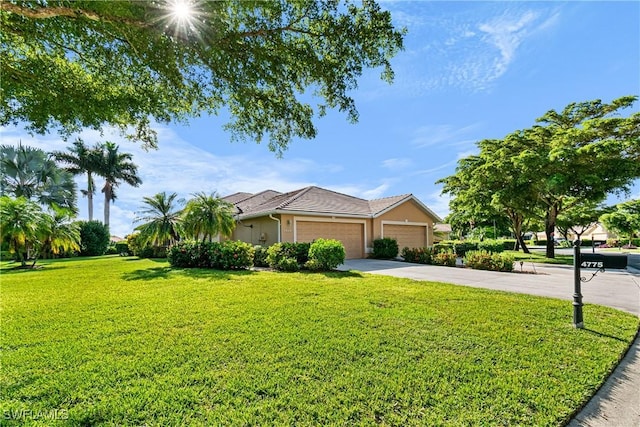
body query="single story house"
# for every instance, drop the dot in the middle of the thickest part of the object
(312, 212)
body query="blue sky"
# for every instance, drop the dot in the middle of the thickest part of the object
(469, 71)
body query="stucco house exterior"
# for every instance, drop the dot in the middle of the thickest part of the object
(312, 212)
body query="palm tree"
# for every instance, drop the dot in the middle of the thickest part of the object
(162, 220)
(115, 167)
(207, 216)
(23, 225)
(62, 235)
(82, 159)
(31, 173)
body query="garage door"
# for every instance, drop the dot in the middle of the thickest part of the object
(351, 235)
(412, 236)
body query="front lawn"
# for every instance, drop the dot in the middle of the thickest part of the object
(122, 341)
(540, 257)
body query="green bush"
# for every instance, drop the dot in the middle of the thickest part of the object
(484, 260)
(417, 255)
(94, 238)
(444, 246)
(111, 249)
(288, 264)
(152, 252)
(122, 248)
(494, 246)
(326, 254)
(385, 248)
(260, 256)
(282, 250)
(461, 248)
(446, 258)
(509, 244)
(227, 255)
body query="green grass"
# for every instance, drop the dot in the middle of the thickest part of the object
(121, 341)
(541, 258)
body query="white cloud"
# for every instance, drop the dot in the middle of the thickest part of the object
(430, 135)
(180, 167)
(439, 203)
(397, 164)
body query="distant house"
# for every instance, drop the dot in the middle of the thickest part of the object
(441, 232)
(312, 212)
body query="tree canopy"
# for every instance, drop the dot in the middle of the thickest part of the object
(580, 154)
(73, 64)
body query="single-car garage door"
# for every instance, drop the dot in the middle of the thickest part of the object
(350, 234)
(412, 236)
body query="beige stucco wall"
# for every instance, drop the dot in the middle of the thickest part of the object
(252, 230)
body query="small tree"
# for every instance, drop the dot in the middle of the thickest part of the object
(94, 238)
(625, 219)
(23, 225)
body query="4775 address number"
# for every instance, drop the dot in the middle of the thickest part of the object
(592, 264)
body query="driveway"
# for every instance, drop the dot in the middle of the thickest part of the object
(613, 288)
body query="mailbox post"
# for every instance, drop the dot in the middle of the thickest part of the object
(577, 294)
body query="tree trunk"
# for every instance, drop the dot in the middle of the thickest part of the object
(549, 228)
(523, 245)
(107, 201)
(90, 191)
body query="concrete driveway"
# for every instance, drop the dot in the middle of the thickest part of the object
(613, 288)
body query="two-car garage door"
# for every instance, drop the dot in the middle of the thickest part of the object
(349, 233)
(412, 236)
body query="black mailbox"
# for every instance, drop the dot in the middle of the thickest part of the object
(612, 261)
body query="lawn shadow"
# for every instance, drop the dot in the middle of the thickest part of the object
(335, 274)
(600, 334)
(164, 272)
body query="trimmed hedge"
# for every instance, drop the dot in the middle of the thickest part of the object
(484, 260)
(386, 248)
(447, 258)
(94, 238)
(280, 251)
(417, 255)
(152, 252)
(122, 248)
(326, 254)
(260, 256)
(227, 255)
(493, 246)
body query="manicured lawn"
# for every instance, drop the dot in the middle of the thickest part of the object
(540, 257)
(121, 341)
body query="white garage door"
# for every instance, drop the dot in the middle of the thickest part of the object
(412, 236)
(350, 234)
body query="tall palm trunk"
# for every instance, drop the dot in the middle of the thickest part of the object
(108, 197)
(90, 190)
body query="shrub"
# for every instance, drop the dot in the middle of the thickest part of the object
(327, 254)
(235, 255)
(508, 244)
(613, 243)
(111, 249)
(153, 252)
(483, 260)
(260, 256)
(228, 255)
(288, 264)
(385, 248)
(446, 258)
(417, 255)
(94, 238)
(280, 251)
(122, 248)
(461, 248)
(494, 246)
(443, 247)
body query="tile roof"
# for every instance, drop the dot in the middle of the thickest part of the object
(236, 197)
(314, 200)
